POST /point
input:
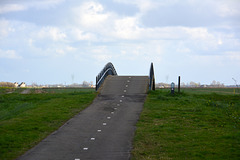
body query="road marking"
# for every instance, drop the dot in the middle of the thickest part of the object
(85, 149)
(112, 112)
(104, 124)
(99, 130)
(122, 96)
(92, 139)
(118, 104)
(108, 117)
(77, 159)
(129, 77)
(125, 90)
(128, 81)
(126, 85)
(115, 108)
(120, 101)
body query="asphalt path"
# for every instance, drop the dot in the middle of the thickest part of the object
(104, 130)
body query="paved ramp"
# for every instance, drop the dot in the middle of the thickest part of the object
(104, 130)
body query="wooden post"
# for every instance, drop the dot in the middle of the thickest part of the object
(96, 87)
(179, 84)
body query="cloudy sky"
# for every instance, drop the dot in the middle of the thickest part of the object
(65, 41)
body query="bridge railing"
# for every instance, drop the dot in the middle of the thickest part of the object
(107, 70)
(151, 78)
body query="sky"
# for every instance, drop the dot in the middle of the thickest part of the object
(70, 41)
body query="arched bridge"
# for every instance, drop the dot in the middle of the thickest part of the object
(105, 129)
(109, 82)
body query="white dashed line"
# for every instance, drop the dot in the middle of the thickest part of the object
(120, 101)
(92, 139)
(77, 159)
(126, 85)
(125, 91)
(104, 124)
(122, 96)
(108, 117)
(129, 77)
(99, 130)
(118, 104)
(112, 112)
(115, 108)
(128, 81)
(85, 149)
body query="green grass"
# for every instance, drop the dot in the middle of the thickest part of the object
(25, 119)
(190, 125)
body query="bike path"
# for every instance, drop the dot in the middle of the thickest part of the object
(104, 130)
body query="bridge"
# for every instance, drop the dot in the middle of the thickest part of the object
(105, 129)
(110, 70)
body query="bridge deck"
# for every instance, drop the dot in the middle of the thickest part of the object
(102, 131)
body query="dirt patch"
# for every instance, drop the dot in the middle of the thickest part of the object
(39, 91)
(26, 91)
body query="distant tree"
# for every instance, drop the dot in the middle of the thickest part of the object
(167, 77)
(85, 84)
(72, 76)
(193, 84)
(34, 84)
(182, 84)
(213, 83)
(6, 84)
(217, 84)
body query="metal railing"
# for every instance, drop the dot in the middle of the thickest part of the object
(107, 70)
(151, 78)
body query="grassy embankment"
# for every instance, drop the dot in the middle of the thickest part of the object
(196, 124)
(25, 119)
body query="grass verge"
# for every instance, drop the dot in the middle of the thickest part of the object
(190, 125)
(25, 119)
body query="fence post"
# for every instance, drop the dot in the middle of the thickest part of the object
(96, 83)
(179, 84)
(151, 78)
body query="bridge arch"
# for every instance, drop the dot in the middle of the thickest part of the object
(107, 70)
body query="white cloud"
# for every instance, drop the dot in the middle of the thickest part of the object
(11, 8)
(233, 55)
(5, 28)
(102, 57)
(60, 52)
(221, 8)
(24, 5)
(30, 42)
(90, 14)
(9, 54)
(44, 4)
(96, 32)
(78, 34)
(143, 5)
(53, 33)
(70, 49)
(227, 8)
(126, 28)
(198, 33)
(63, 50)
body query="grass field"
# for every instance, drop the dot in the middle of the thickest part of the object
(196, 124)
(25, 119)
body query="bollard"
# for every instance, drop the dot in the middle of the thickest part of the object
(172, 88)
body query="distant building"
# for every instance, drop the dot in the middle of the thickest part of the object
(15, 84)
(22, 85)
(204, 86)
